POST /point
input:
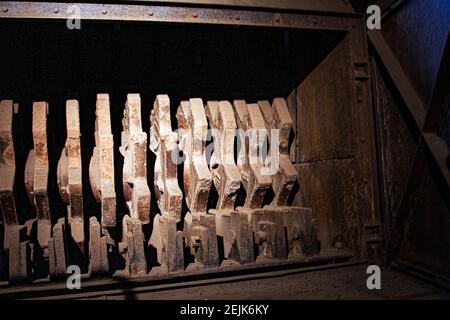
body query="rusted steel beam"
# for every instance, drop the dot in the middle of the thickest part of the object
(70, 174)
(101, 168)
(36, 174)
(164, 142)
(172, 14)
(328, 6)
(134, 151)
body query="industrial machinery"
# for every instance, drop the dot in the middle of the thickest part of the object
(162, 140)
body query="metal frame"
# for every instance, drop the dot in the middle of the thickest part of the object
(57, 290)
(328, 6)
(172, 14)
(431, 150)
(277, 17)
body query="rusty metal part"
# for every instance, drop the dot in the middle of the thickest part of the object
(327, 6)
(299, 222)
(199, 227)
(101, 168)
(268, 227)
(7, 170)
(301, 232)
(98, 248)
(58, 255)
(164, 142)
(252, 133)
(237, 235)
(226, 175)
(132, 248)
(168, 243)
(36, 174)
(134, 151)
(200, 236)
(19, 254)
(70, 174)
(174, 14)
(192, 129)
(232, 226)
(278, 118)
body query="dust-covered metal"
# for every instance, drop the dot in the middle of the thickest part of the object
(168, 242)
(57, 247)
(70, 174)
(98, 248)
(7, 169)
(101, 168)
(174, 14)
(164, 143)
(199, 228)
(132, 248)
(299, 223)
(134, 151)
(36, 175)
(231, 225)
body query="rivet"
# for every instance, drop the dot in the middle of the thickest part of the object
(195, 15)
(237, 18)
(55, 10)
(104, 12)
(5, 10)
(150, 14)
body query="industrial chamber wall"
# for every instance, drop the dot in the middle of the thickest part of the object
(316, 61)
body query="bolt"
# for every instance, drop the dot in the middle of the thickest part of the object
(150, 14)
(104, 11)
(5, 10)
(237, 18)
(195, 15)
(55, 10)
(277, 18)
(314, 21)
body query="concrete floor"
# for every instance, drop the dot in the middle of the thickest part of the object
(340, 283)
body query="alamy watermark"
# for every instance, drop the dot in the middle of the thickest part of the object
(374, 280)
(373, 17)
(74, 19)
(74, 280)
(259, 148)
